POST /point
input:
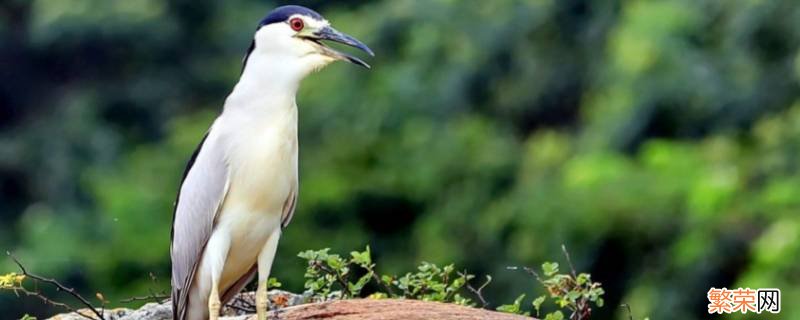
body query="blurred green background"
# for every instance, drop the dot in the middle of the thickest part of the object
(658, 140)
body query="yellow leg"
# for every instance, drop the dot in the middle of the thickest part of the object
(264, 265)
(213, 303)
(262, 300)
(212, 266)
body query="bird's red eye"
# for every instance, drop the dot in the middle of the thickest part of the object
(296, 24)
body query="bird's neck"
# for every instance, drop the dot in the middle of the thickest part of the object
(267, 85)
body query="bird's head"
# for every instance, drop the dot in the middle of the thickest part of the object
(293, 37)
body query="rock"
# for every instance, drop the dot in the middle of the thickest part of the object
(387, 309)
(241, 306)
(151, 311)
(289, 306)
(110, 314)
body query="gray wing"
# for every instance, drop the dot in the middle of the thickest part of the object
(291, 201)
(202, 191)
(288, 207)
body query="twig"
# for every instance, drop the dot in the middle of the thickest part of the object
(244, 300)
(478, 292)
(345, 288)
(381, 283)
(628, 307)
(47, 300)
(102, 303)
(530, 271)
(371, 270)
(533, 272)
(569, 261)
(245, 309)
(59, 287)
(158, 298)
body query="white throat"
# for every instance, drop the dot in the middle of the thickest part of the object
(274, 70)
(266, 83)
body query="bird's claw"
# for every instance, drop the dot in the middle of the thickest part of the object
(262, 301)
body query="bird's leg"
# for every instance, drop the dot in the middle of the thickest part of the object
(262, 300)
(265, 259)
(216, 253)
(213, 303)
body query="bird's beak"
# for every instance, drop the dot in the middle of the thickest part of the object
(331, 34)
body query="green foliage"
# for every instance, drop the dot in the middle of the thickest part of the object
(431, 283)
(574, 292)
(331, 276)
(327, 271)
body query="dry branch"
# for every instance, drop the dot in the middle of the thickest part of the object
(59, 287)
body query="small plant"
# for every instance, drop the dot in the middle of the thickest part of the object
(572, 291)
(332, 276)
(431, 283)
(273, 283)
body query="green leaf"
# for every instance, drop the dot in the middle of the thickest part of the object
(273, 283)
(314, 255)
(583, 278)
(550, 268)
(362, 258)
(378, 295)
(537, 304)
(573, 296)
(335, 261)
(554, 316)
(514, 308)
(355, 288)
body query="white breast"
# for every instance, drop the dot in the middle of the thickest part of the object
(263, 161)
(262, 157)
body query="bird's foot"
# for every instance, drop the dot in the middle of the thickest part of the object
(214, 306)
(262, 300)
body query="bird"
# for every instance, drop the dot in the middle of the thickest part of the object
(239, 188)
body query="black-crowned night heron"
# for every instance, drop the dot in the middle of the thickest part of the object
(240, 187)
